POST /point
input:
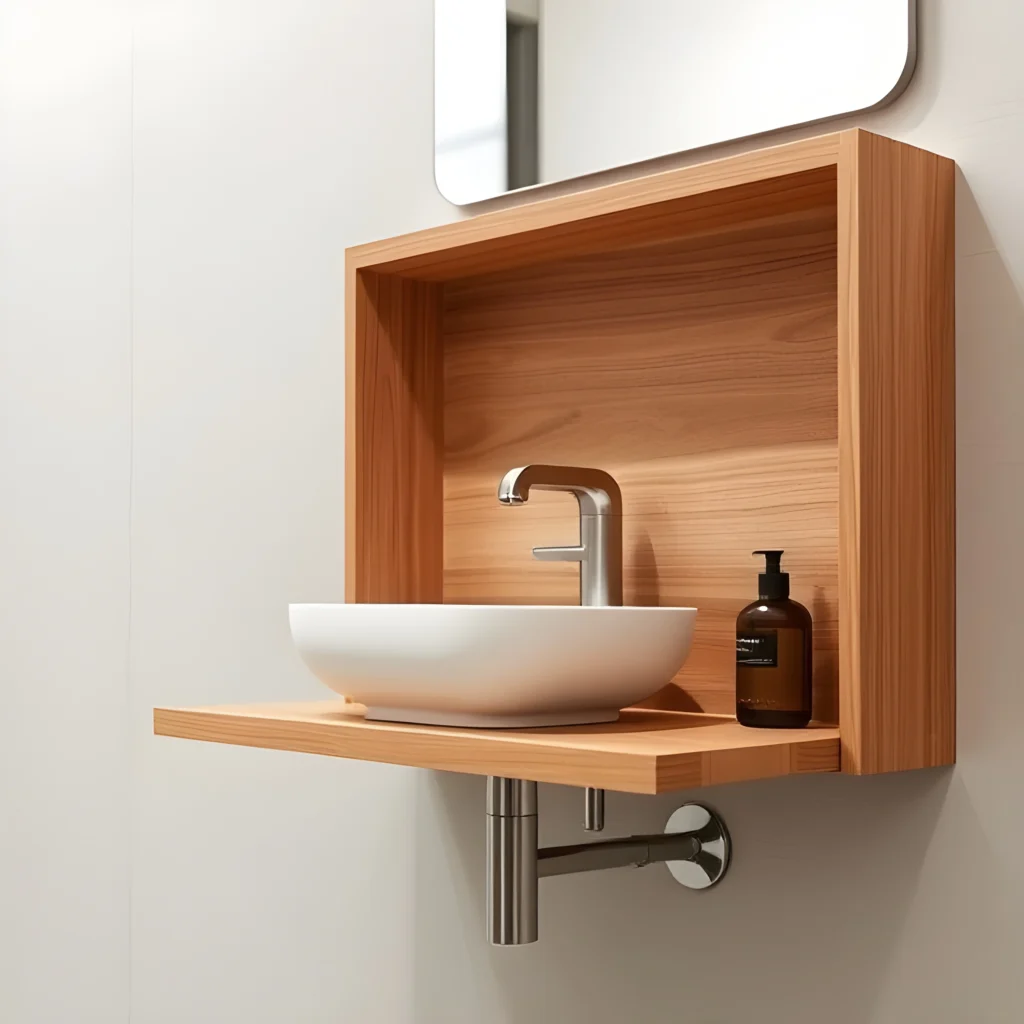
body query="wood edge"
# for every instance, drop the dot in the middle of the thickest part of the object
(856, 147)
(944, 495)
(788, 158)
(947, 172)
(861, 135)
(350, 421)
(827, 749)
(192, 724)
(638, 773)
(847, 252)
(815, 754)
(632, 773)
(434, 292)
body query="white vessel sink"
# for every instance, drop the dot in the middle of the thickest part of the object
(496, 666)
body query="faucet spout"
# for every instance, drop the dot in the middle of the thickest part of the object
(596, 491)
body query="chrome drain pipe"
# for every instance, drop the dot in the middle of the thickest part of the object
(695, 846)
(593, 810)
(634, 852)
(511, 861)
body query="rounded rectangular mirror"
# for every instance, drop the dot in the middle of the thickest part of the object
(535, 91)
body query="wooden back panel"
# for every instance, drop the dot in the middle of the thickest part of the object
(702, 373)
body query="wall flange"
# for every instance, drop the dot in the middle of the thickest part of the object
(711, 861)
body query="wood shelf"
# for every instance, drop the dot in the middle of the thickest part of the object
(644, 752)
(761, 350)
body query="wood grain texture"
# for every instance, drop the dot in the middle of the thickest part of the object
(393, 440)
(681, 332)
(687, 201)
(645, 752)
(702, 374)
(896, 455)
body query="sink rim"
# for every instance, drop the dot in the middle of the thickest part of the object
(493, 665)
(498, 607)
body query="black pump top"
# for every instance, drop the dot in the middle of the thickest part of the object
(773, 583)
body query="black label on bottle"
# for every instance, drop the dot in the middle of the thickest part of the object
(758, 650)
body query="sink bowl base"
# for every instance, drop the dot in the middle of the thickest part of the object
(461, 719)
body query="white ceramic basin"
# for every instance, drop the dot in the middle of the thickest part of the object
(497, 666)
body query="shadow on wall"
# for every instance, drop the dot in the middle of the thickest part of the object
(815, 904)
(861, 901)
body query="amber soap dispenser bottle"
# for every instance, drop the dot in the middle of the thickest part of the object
(773, 654)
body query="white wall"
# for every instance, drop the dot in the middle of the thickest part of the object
(177, 186)
(65, 463)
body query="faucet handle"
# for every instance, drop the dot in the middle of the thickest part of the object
(569, 553)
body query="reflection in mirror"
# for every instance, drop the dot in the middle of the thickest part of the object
(522, 91)
(534, 91)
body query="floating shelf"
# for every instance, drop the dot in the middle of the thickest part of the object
(761, 350)
(644, 752)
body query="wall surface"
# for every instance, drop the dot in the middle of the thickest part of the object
(65, 501)
(177, 185)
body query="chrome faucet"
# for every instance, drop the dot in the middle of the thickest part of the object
(599, 550)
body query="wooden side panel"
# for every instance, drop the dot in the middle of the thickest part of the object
(702, 374)
(896, 456)
(394, 437)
